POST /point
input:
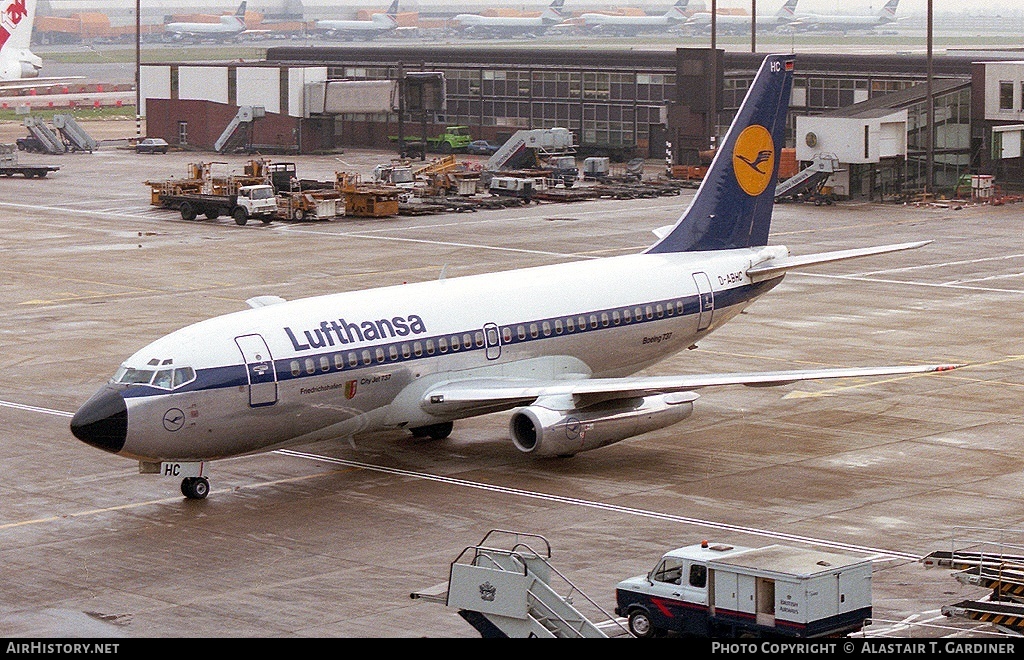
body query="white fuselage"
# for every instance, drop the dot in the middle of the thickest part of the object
(337, 365)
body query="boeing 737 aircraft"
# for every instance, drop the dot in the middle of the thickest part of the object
(509, 26)
(848, 22)
(632, 25)
(19, 66)
(737, 23)
(377, 25)
(229, 27)
(556, 344)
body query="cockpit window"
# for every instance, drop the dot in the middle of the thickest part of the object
(167, 379)
(183, 375)
(129, 376)
(163, 378)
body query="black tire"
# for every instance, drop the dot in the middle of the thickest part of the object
(188, 212)
(195, 488)
(299, 215)
(640, 625)
(446, 148)
(241, 216)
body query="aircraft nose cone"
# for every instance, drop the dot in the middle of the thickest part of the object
(102, 421)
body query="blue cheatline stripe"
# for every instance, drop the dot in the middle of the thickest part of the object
(236, 375)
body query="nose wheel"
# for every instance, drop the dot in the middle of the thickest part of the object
(195, 488)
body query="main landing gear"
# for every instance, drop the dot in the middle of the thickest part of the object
(433, 431)
(195, 488)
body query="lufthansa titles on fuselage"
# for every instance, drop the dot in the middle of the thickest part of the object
(340, 331)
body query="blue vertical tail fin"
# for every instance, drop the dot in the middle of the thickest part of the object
(733, 206)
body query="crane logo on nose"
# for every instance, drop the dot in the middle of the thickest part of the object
(174, 419)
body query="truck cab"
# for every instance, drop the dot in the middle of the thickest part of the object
(258, 201)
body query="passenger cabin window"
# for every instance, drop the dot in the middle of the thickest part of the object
(670, 570)
(325, 363)
(521, 333)
(353, 359)
(547, 328)
(570, 324)
(393, 353)
(558, 326)
(296, 368)
(380, 354)
(698, 575)
(417, 348)
(455, 343)
(430, 347)
(367, 358)
(442, 344)
(310, 366)
(339, 361)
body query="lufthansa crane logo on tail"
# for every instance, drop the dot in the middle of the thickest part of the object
(753, 159)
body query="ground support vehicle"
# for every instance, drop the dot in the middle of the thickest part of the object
(312, 205)
(9, 165)
(719, 590)
(256, 202)
(454, 139)
(562, 169)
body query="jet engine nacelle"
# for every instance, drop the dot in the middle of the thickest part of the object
(548, 431)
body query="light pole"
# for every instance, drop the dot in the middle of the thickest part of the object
(138, 71)
(930, 107)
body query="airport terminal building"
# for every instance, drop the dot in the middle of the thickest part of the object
(622, 103)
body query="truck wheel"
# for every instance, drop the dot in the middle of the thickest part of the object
(640, 624)
(188, 212)
(240, 216)
(446, 147)
(299, 215)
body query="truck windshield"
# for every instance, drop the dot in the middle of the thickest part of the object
(262, 193)
(669, 570)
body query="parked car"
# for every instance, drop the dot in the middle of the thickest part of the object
(151, 146)
(481, 148)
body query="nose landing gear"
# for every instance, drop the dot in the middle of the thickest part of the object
(195, 488)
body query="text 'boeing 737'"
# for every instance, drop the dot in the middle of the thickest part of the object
(557, 345)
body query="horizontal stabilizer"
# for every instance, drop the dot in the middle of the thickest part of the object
(508, 392)
(775, 267)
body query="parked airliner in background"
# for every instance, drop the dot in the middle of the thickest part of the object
(229, 27)
(631, 25)
(733, 23)
(556, 344)
(509, 26)
(848, 22)
(19, 66)
(377, 25)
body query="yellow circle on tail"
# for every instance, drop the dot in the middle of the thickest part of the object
(753, 159)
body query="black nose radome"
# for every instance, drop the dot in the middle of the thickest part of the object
(102, 421)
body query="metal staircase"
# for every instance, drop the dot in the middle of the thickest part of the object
(809, 180)
(237, 133)
(74, 136)
(507, 592)
(51, 141)
(525, 147)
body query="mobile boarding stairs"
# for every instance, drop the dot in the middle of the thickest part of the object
(68, 136)
(808, 182)
(508, 592)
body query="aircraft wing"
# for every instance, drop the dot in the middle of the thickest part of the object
(29, 83)
(497, 393)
